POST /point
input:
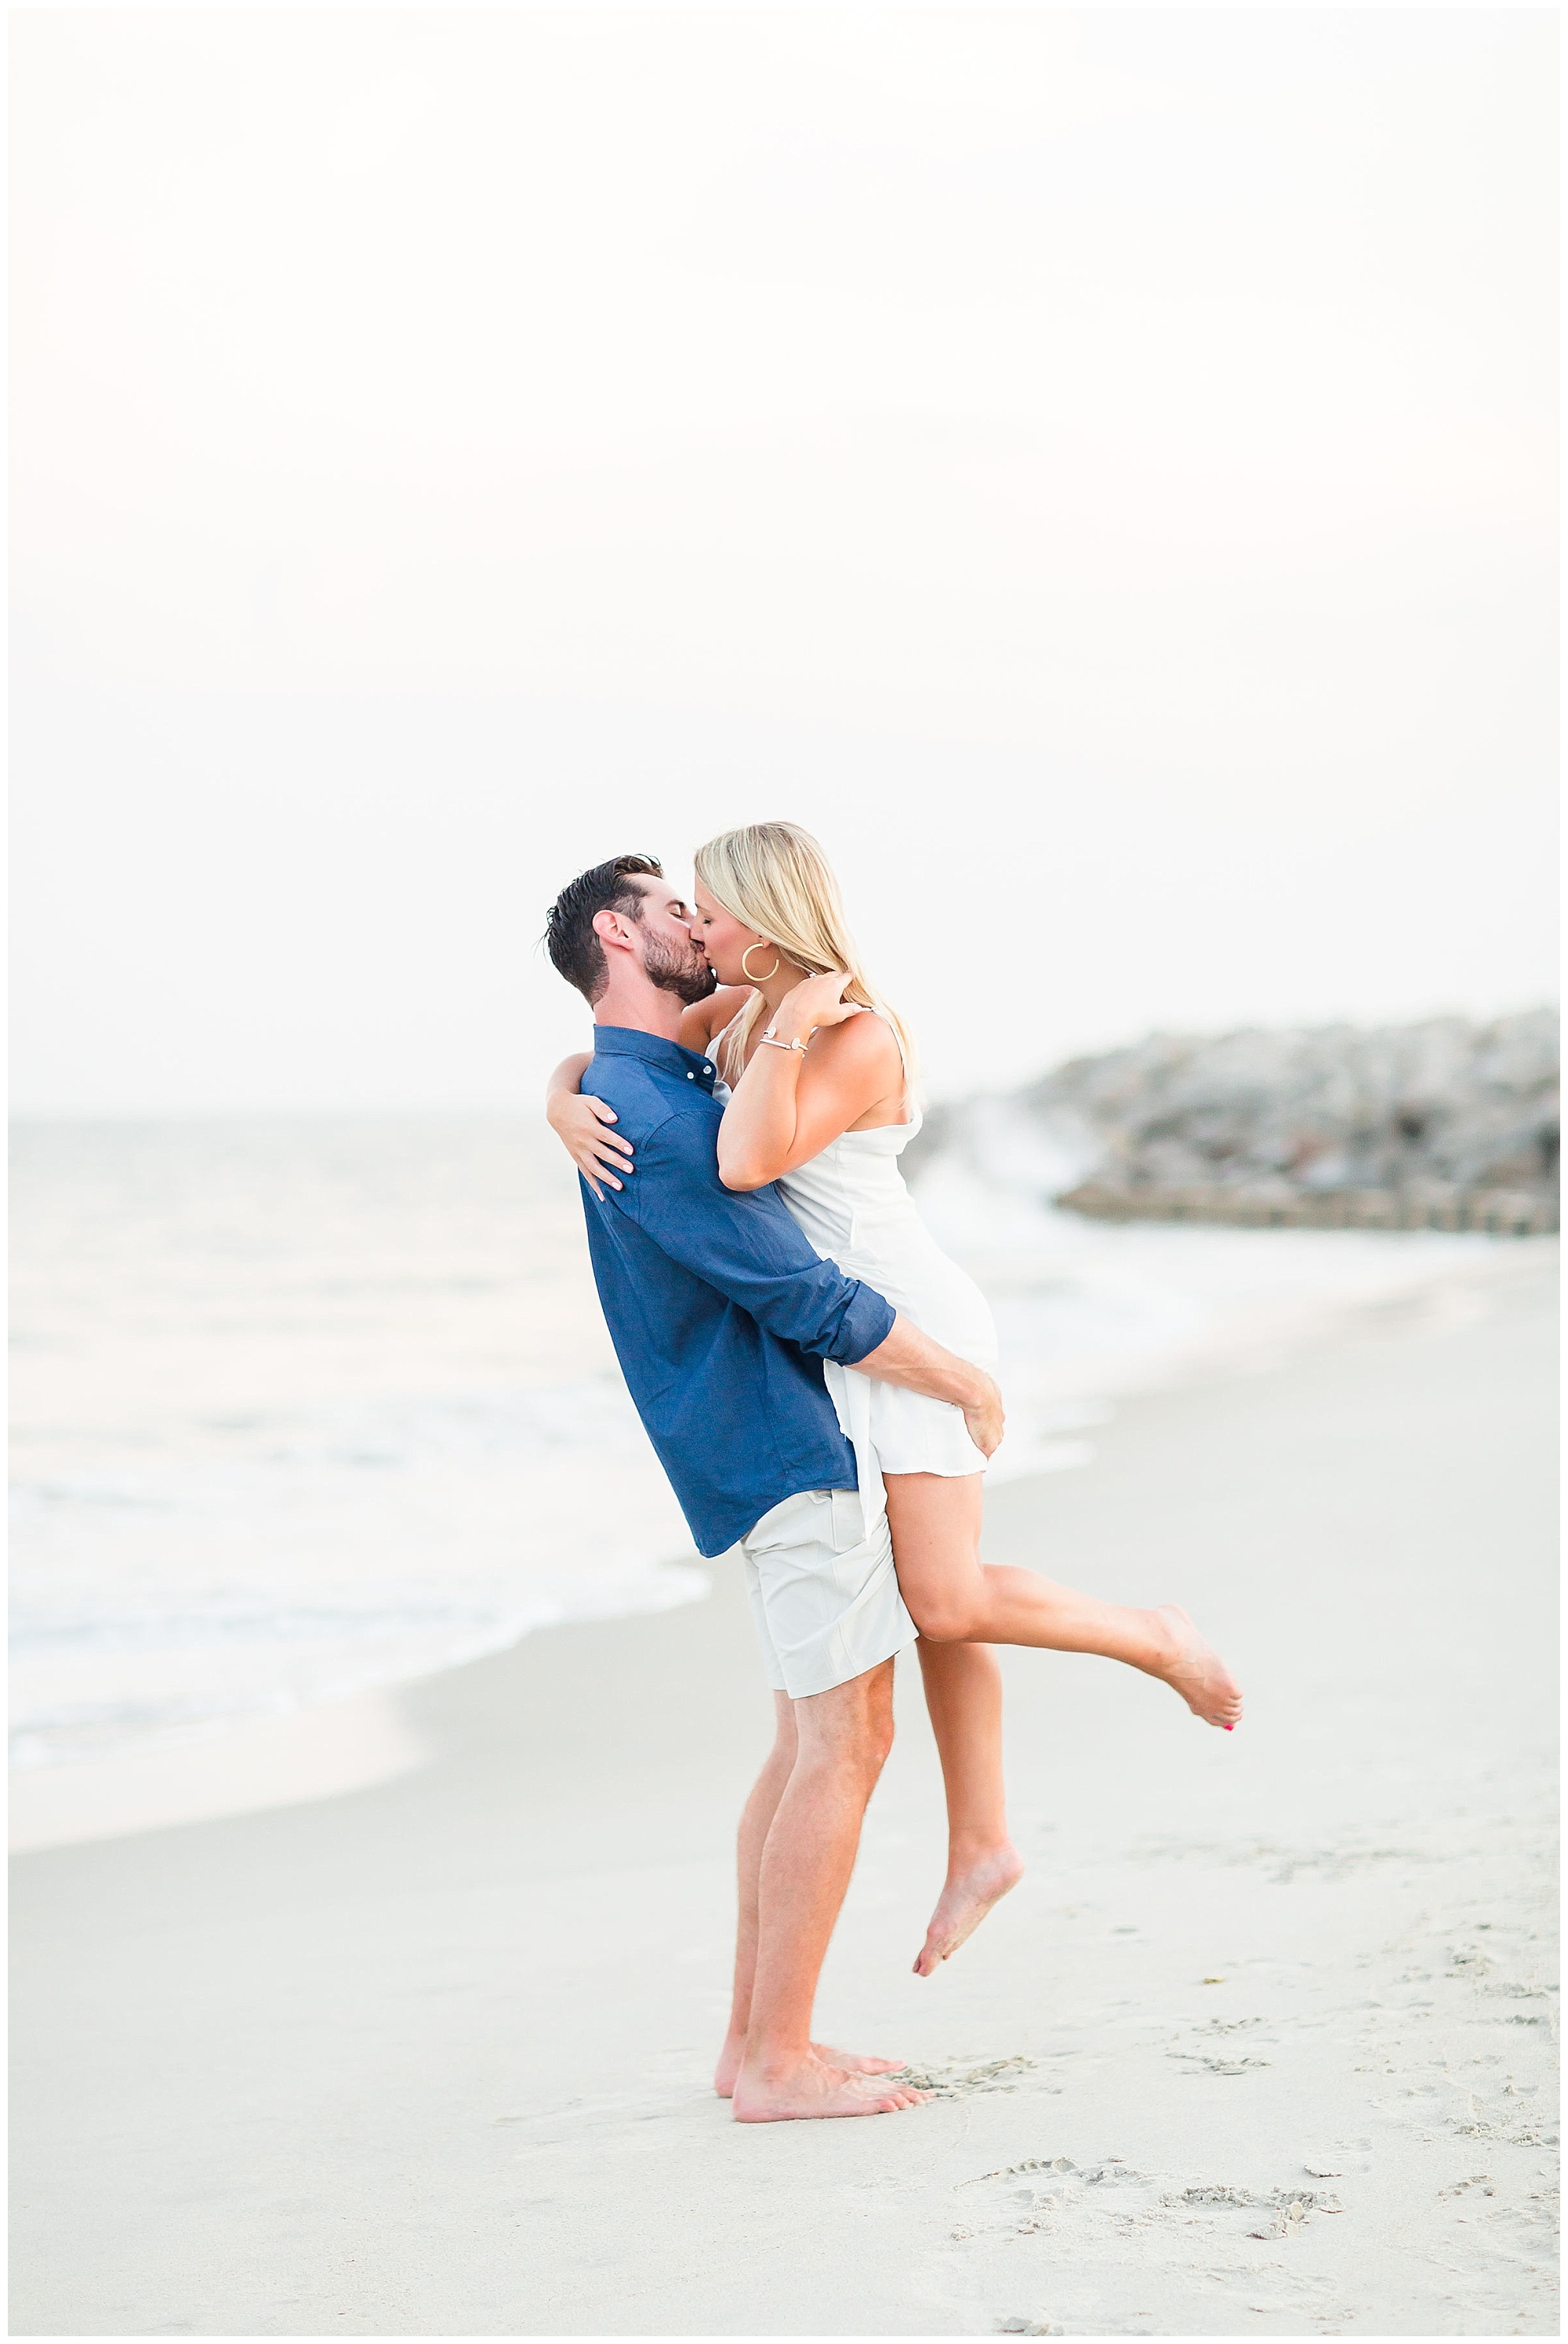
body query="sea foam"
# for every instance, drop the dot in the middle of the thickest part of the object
(304, 1406)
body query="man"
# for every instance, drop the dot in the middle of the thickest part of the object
(721, 1315)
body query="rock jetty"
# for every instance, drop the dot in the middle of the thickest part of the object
(1447, 1124)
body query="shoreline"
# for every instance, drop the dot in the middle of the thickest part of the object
(1256, 2047)
(326, 1749)
(246, 1768)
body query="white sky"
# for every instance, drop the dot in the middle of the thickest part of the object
(1096, 470)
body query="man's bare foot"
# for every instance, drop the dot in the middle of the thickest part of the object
(967, 1895)
(1197, 1672)
(854, 2063)
(816, 2089)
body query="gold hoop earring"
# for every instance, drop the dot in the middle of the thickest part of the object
(778, 962)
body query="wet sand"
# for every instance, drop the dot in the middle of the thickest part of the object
(1262, 2044)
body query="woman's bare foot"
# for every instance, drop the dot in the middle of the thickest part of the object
(1197, 1672)
(854, 2063)
(817, 2088)
(967, 1895)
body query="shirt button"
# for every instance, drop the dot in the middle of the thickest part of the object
(690, 1077)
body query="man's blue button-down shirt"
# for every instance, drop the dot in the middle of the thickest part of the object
(720, 1312)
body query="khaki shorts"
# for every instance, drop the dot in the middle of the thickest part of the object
(824, 1594)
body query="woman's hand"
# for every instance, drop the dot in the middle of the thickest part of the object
(815, 1001)
(578, 1120)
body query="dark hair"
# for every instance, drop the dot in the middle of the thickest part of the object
(569, 937)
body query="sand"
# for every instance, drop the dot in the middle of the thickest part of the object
(265, 1762)
(1262, 2044)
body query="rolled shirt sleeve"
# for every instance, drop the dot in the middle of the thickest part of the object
(748, 1248)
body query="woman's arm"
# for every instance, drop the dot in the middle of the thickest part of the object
(578, 1121)
(567, 1076)
(791, 1102)
(701, 1020)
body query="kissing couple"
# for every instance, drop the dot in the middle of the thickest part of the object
(816, 1375)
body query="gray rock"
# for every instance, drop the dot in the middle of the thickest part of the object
(1447, 1121)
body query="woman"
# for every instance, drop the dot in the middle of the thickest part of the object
(814, 1070)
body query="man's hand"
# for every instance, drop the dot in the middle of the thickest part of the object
(907, 1356)
(985, 1419)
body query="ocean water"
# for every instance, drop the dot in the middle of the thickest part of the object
(301, 1407)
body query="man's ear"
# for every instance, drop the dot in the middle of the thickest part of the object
(613, 927)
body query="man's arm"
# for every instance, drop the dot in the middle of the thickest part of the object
(909, 1357)
(747, 1247)
(751, 1250)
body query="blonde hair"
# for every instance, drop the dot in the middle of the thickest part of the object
(772, 876)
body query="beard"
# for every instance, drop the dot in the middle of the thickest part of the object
(688, 976)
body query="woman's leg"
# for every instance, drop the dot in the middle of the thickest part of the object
(964, 1694)
(954, 1597)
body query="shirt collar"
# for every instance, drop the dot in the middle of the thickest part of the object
(628, 1042)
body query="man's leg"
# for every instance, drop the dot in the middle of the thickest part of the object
(756, 1820)
(843, 1738)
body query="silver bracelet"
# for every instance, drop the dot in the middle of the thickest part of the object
(774, 1044)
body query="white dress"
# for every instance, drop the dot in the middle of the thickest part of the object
(853, 1206)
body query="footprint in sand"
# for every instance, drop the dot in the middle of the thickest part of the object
(949, 2081)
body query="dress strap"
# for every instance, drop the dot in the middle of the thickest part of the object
(908, 1104)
